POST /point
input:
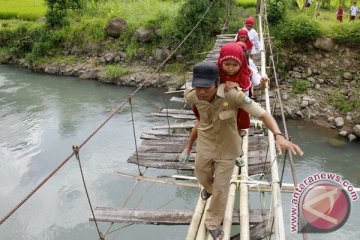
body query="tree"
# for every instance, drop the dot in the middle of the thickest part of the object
(56, 15)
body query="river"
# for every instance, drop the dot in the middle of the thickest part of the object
(42, 116)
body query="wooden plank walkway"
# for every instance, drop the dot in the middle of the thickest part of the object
(163, 151)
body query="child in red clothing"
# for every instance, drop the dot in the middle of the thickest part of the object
(340, 13)
(234, 71)
(243, 36)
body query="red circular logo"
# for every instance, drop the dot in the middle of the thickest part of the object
(325, 207)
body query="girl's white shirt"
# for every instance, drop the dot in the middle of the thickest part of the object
(254, 38)
(255, 77)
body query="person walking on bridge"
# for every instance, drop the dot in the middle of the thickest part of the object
(218, 142)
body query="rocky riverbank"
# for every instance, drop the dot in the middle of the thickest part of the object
(320, 79)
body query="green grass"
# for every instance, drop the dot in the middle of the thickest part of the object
(136, 12)
(114, 71)
(300, 86)
(246, 3)
(57, 59)
(29, 10)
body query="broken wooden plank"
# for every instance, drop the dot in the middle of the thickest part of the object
(177, 111)
(185, 125)
(164, 217)
(177, 99)
(176, 116)
(162, 165)
(164, 133)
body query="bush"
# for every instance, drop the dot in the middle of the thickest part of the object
(297, 29)
(46, 41)
(346, 32)
(337, 99)
(300, 86)
(88, 31)
(189, 14)
(275, 12)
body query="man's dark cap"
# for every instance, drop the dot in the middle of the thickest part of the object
(205, 74)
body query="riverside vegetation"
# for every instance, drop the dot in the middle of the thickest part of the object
(73, 38)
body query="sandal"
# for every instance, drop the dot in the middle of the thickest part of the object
(205, 195)
(184, 158)
(239, 162)
(217, 234)
(243, 133)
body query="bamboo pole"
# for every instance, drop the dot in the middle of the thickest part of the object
(201, 234)
(244, 194)
(195, 220)
(276, 195)
(227, 222)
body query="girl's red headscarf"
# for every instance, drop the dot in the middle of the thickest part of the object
(340, 11)
(250, 21)
(234, 51)
(244, 33)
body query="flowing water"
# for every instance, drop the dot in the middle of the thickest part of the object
(42, 116)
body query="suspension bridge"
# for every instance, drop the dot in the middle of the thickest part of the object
(160, 149)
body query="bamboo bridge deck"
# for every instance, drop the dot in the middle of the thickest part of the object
(161, 147)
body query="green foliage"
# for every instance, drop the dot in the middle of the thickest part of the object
(4, 52)
(6, 35)
(300, 86)
(337, 99)
(17, 40)
(87, 31)
(325, 4)
(46, 42)
(297, 29)
(189, 14)
(56, 15)
(275, 11)
(346, 32)
(113, 72)
(22, 42)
